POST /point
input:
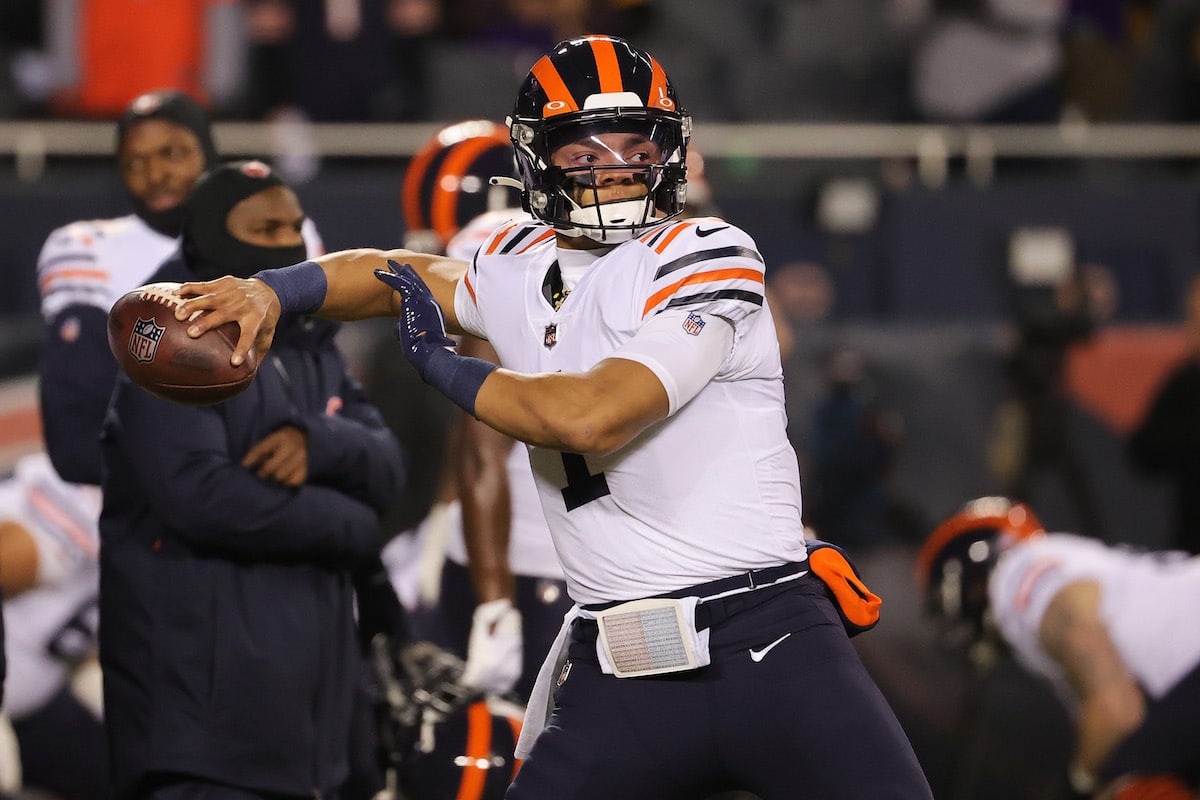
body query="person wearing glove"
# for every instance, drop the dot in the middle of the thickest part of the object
(642, 369)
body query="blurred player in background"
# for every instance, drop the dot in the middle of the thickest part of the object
(231, 535)
(1166, 441)
(164, 143)
(501, 596)
(643, 370)
(49, 545)
(1112, 629)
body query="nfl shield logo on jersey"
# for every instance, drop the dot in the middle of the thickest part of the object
(144, 341)
(551, 337)
(693, 324)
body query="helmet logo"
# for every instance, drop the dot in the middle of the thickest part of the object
(554, 107)
(147, 103)
(663, 101)
(255, 169)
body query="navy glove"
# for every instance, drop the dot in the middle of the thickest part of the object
(422, 332)
(421, 328)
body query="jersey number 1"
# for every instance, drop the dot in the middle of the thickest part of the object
(582, 486)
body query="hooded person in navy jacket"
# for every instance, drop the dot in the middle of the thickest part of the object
(229, 537)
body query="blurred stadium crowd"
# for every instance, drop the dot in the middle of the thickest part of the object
(795, 60)
(947, 342)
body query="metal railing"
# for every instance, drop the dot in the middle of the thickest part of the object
(32, 143)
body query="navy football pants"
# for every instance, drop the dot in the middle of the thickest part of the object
(805, 721)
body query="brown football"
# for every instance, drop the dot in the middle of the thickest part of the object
(155, 351)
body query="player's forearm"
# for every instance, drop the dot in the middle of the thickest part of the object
(354, 293)
(487, 510)
(1105, 719)
(1111, 704)
(574, 413)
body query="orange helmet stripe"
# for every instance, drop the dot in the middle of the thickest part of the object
(558, 96)
(607, 66)
(479, 742)
(658, 87)
(1021, 525)
(411, 193)
(443, 218)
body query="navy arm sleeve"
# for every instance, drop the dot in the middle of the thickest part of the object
(77, 373)
(177, 458)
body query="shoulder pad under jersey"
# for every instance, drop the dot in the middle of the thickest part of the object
(707, 265)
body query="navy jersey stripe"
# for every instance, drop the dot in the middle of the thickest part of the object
(514, 241)
(706, 255)
(720, 294)
(50, 262)
(662, 232)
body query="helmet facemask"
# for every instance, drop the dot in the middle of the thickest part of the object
(633, 147)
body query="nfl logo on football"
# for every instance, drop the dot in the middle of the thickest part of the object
(693, 324)
(144, 341)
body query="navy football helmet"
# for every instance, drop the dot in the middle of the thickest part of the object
(956, 561)
(441, 740)
(467, 752)
(588, 87)
(448, 182)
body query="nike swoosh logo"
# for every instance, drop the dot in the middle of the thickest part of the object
(710, 231)
(759, 655)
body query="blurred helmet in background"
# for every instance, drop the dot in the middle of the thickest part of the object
(956, 562)
(448, 182)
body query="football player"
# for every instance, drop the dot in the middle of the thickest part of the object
(501, 595)
(164, 143)
(48, 572)
(230, 537)
(642, 368)
(1111, 629)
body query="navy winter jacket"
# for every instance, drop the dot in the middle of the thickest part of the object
(227, 631)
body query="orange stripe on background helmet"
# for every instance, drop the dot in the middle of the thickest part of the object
(433, 195)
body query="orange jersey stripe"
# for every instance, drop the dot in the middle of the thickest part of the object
(497, 238)
(712, 276)
(479, 742)
(558, 96)
(470, 288)
(680, 228)
(48, 509)
(543, 236)
(606, 64)
(57, 275)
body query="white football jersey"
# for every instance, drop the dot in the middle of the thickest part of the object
(1148, 603)
(95, 262)
(49, 627)
(712, 491)
(530, 550)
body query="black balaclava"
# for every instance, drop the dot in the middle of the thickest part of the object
(175, 107)
(209, 249)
